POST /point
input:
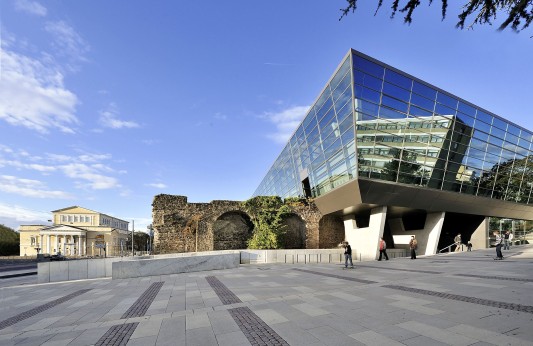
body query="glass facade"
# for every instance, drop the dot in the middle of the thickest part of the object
(375, 122)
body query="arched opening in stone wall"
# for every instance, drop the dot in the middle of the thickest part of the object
(295, 232)
(331, 231)
(231, 231)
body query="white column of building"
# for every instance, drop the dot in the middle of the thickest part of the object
(57, 243)
(49, 243)
(79, 245)
(365, 241)
(41, 244)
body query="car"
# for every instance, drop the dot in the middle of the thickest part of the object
(58, 257)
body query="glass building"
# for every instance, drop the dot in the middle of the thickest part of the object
(380, 126)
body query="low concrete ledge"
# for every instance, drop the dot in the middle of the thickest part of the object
(128, 267)
(292, 256)
(175, 265)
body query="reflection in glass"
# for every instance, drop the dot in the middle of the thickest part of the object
(373, 122)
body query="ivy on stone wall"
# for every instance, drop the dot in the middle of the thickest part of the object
(268, 214)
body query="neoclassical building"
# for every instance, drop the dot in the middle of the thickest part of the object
(75, 231)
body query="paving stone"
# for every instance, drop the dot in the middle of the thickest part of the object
(372, 338)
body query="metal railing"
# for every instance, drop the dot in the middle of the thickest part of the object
(449, 247)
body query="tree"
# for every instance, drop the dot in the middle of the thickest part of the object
(519, 12)
(9, 241)
(141, 240)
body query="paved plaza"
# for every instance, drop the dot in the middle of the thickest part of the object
(454, 299)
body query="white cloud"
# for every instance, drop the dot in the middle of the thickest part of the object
(286, 122)
(67, 41)
(32, 94)
(29, 188)
(19, 213)
(109, 118)
(157, 185)
(96, 180)
(31, 7)
(84, 168)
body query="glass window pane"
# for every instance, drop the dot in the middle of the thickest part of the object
(367, 94)
(513, 130)
(481, 135)
(367, 108)
(479, 125)
(447, 100)
(484, 117)
(397, 92)
(348, 136)
(466, 109)
(419, 112)
(398, 79)
(499, 123)
(497, 132)
(346, 123)
(344, 112)
(496, 141)
(368, 66)
(394, 103)
(310, 117)
(343, 92)
(336, 145)
(443, 110)
(422, 102)
(523, 143)
(368, 80)
(341, 74)
(310, 126)
(325, 107)
(327, 118)
(323, 98)
(465, 119)
(424, 90)
(387, 113)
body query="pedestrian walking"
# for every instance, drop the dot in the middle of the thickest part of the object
(347, 254)
(511, 237)
(413, 245)
(458, 242)
(498, 244)
(469, 246)
(382, 249)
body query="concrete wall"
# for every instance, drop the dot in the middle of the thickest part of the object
(365, 241)
(75, 269)
(187, 262)
(427, 238)
(166, 266)
(479, 238)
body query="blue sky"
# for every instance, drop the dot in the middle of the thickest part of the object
(107, 104)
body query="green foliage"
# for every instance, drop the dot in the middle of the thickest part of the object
(267, 214)
(519, 12)
(9, 241)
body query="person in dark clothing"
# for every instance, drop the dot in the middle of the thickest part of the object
(382, 249)
(413, 245)
(347, 254)
(506, 241)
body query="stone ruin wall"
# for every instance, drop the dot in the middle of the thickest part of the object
(180, 226)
